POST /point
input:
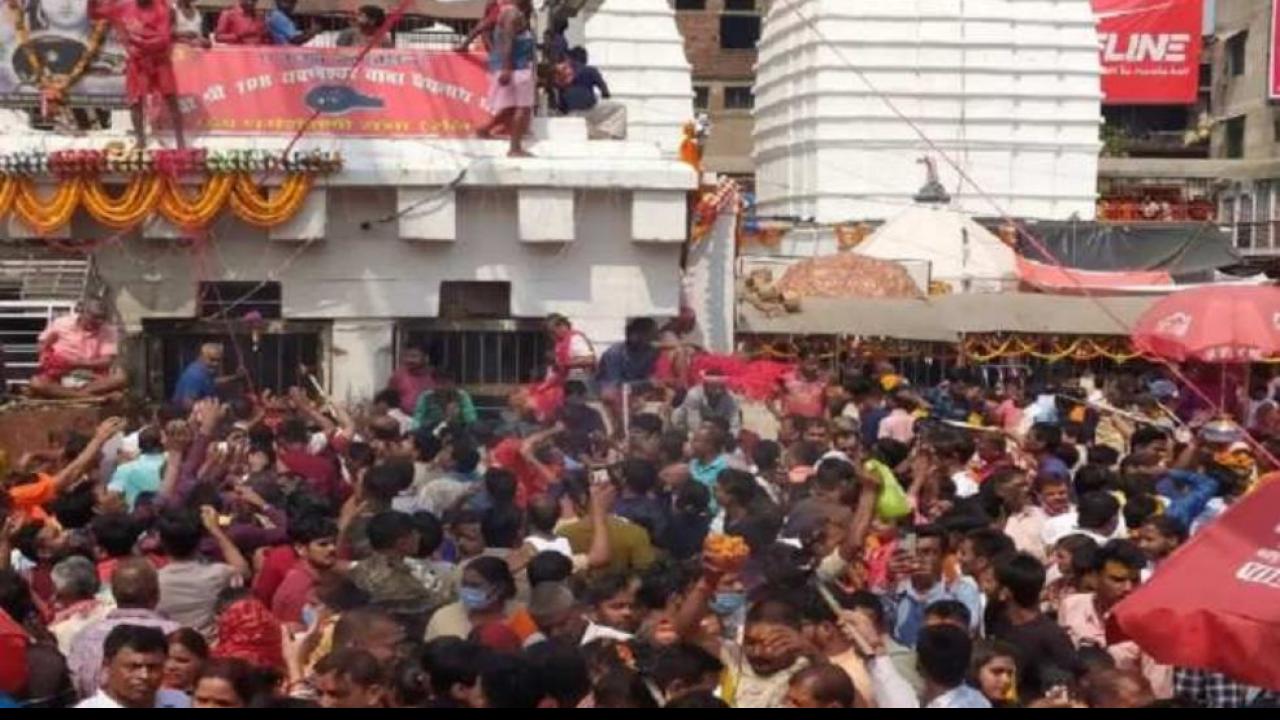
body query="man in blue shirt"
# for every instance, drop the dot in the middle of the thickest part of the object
(580, 95)
(200, 380)
(631, 361)
(925, 586)
(606, 120)
(282, 27)
(141, 475)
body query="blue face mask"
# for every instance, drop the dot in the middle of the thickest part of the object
(473, 598)
(728, 603)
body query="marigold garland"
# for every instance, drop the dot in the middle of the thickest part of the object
(135, 204)
(248, 203)
(145, 196)
(198, 211)
(986, 349)
(47, 215)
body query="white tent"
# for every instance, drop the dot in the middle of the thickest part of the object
(960, 252)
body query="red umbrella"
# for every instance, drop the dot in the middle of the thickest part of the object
(1213, 324)
(1215, 603)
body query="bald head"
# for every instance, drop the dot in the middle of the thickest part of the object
(821, 686)
(134, 584)
(1117, 689)
(211, 355)
(371, 629)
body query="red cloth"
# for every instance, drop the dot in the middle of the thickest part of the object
(497, 636)
(1213, 603)
(1052, 277)
(755, 379)
(276, 564)
(13, 655)
(248, 631)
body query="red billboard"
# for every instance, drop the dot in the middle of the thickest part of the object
(1150, 50)
(278, 90)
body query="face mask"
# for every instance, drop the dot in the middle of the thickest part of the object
(473, 598)
(728, 603)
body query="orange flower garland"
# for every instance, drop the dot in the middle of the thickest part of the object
(8, 191)
(248, 203)
(148, 195)
(200, 211)
(45, 216)
(134, 205)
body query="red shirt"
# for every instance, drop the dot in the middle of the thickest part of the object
(236, 27)
(806, 398)
(147, 31)
(294, 593)
(529, 481)
(410, 386)
(276, 564)
(13, 655)
(318, 470)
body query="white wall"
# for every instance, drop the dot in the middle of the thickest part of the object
(599, 279)
(1007, 88)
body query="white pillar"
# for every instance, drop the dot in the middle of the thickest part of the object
(709, 285)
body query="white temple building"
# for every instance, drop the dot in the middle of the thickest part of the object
(444, 242)
(1007, 93)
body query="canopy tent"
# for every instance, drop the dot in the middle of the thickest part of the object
(1183, 250)
(948, 318)
(961, 253)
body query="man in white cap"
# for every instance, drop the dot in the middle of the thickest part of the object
(710, 399)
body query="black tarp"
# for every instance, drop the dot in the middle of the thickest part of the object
(1180, 249)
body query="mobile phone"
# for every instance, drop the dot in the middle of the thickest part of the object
(909, 543)
(600, 476)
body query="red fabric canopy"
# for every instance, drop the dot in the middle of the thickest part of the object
(1050, 277)
(1213, 324)
(1215, 603)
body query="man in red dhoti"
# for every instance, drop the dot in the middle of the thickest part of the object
(145, 28)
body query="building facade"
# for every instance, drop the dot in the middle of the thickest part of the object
(720, 38)
(446, 243)
(1246, 126)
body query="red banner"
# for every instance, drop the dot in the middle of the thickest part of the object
(390, 93)
(1150, 50)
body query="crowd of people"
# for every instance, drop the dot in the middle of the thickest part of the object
(651, 526)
